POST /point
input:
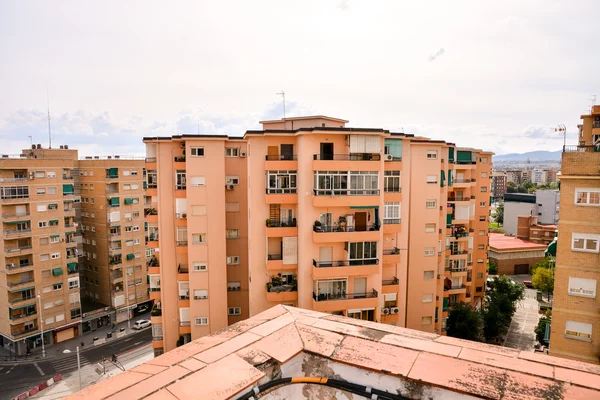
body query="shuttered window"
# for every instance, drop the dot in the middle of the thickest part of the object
(197, 180)
(365, 144)
(290, 250)
(184, 314)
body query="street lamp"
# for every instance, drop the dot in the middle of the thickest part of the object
(39, 296)
(67, 351)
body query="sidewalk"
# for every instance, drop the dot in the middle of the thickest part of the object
(55, 351)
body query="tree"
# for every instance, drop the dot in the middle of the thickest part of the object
(544, 263)
(543, 279)
(464, 322)
(500, 213)
(540, 329)
(500, 306)
(511, 187)
(492, 267)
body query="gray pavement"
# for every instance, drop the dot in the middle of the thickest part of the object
(521, 334)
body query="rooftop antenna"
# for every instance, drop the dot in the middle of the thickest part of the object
(49, 130)
(30, 140)
(282, 94)
(562, 129)
(593, 100)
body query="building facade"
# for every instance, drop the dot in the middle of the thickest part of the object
(498, 185)
(357, 222)
(40, 248)
(548, 205)
(114, 272)
(575, 330)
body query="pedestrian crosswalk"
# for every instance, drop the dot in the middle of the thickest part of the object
(69, 363)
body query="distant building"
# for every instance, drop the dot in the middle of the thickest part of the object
(538, 176)
(529, 229)
(551, 175)
(547, 206)
(498, 185)
(526, 176)
(514, 256)
(513, 176)
(543, 204)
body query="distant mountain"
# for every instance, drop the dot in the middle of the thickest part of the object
(532, 155)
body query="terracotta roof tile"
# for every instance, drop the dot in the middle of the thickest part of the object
(560, 362)
(420, 344)
(319, 341)
(110, 386)
(577, 377)
(273, 325)
(162, 394)
(224, 349)
(511, 363)
(186, 351)
(148, 386)
(489, 348)
(281, 345)
(192, 364)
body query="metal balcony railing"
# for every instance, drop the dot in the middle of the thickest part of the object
(336, 228)
(348, 157)
(17, 249)
(391, 252)
(281, 190)
(281, 157)
(18, 299)
(346, 263)
(344, 296)
(15, 215)
(17, 232)
(17, 266)
(346, 192)
(391, 221)
(13, 284)
(274, 257)
(581, 149)
(446, 288)
(389, 282)
(181, 243)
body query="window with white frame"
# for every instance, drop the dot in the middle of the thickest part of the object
(282, 182)
(391, 181)
(483, 159)
(51, 190)
(429, 251)
(483, 189)
(432, 178)
(51, 174)
(199, 267)
(233, 260)
(234, 310)
(232, 233)
(73, 283)
(430, 204)
(430, 227)
(432, 155)
(482, 204)
(238, 285)
(199, 321)
(198, 238)
(54, 256)
(200, 294)
(42, 224)
(586, 242)
(197, 151)
(391, 212)
(54, 239)
(587, 197)
(232, 152)
(232, 180)
(582, 287)
(428, 274)
(578, 330)
(197, 181)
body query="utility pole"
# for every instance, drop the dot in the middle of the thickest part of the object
(39, 296)
(282, 94)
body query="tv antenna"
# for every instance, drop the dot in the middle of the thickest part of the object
(562, 129)
(49, 130)
(593, 100)
(30, 140)
(282, 94)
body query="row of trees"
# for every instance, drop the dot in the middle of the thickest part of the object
(493, 320)
(528, 187)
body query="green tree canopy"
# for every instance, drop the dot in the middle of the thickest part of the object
(464, 322)
(511, 187)
(500, 213)
(543, 279)
(500, 306)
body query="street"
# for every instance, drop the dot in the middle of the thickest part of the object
(17, 378)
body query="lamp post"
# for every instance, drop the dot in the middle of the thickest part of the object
(67, 351)
(39, 296)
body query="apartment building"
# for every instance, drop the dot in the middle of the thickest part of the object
(39, 286)
(364, 223)
(498, 185)
(114, 270)
(575, 330)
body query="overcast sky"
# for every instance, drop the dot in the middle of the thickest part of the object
(496, 75)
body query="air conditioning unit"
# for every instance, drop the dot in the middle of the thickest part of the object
(242, 154)
(395, 310)
(385, 311)
(184, 215)
(388, 157)
(230, 187)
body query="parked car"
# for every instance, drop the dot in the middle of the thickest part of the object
(528, 284)
(141, 324)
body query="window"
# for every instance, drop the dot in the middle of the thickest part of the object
(39, 174)
(201, 321)
(180, 180)
(51, 190)
(232, 180)
(362, 253)
(232, 233)
(391, 213)
(585, 242)
(429, 251)
(587, 197)
(197, 181)
(51, 174)
(432, 155)
(481, 233)
(234, 310)
(427, 298)
(57, 286)
(429, 228)
(44, 257)
(200, 267)
(198, 238)
(42, 224)
(582, 287)
(237, 285)
(281, 182)
(73, 283)
(125, 173)
(233, 260)
(49, 321)
(391, 181)
(483, 189)
(578, 330)
(75, 313)
(48, 305)
(47, 289)
(426, 320)
(197, 151)
(59, 302)
(483, 159)
(135, 186)
(430, 204)
(432, 179)
(479, 261)
(232, 152)
(41, 207)
(481, 247)
(55, 256)
(200, 294)
(54, 239)
(43, 240)
(479, 289)
(482, 204)
(428, 274)
(482, 218)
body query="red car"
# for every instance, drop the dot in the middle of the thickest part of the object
(528, 284)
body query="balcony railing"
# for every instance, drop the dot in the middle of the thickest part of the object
(348, 157)
(180, 187)
(17, 249)
(17, 232)
(281, 190)
(281, 157)
(13, 284)
(446, 288)
(456, 269)
(581, 149)
(23, 331)
(154, 289)
(281, 223)
(344, 296)
(346, 192)
(336, 228)
(67, 177)
(458, 252)
(596, 124)
(150, 159)
(181, 243)
(391, 252)
(391, 221)
(17, 266)
(15, 215)
(461, 180)
(390, 282)
(19, 316)
(19, 299)
(274, 257)
(346, 263)
(9, 180)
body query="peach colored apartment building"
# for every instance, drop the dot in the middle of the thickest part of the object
(40, 247)
(575, 329)
(364, 223)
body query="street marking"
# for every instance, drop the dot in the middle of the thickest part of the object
(39, 369)
(140, 342)
(1, 368)
(128, 339)
(11, 368)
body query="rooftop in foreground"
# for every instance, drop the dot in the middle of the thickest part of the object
(287, 342)
(499, 242)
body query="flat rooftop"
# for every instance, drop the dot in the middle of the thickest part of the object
(287, 342)
(499, 242)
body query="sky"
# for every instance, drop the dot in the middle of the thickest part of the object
(493, 75)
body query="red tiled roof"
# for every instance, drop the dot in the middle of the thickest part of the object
(500, 242)
(286, 340)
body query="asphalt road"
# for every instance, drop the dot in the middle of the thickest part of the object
(17, 378)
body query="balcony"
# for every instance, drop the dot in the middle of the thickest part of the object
(336, 233)
(390, 285)
(348, 157)
(344, 296)
(18, 232)
(19, 285)
(21, 331)
(278, 291)
(345, 197)
(391, 256)
(14, 216)
(347, 162)
(281, 196)
(17, 267)
(456, 289)
(281, 228)
(334, 269)
(581, 149)
(281, 162)
(18, 250)
(391, 225)
(328, 302)
(181, 243)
